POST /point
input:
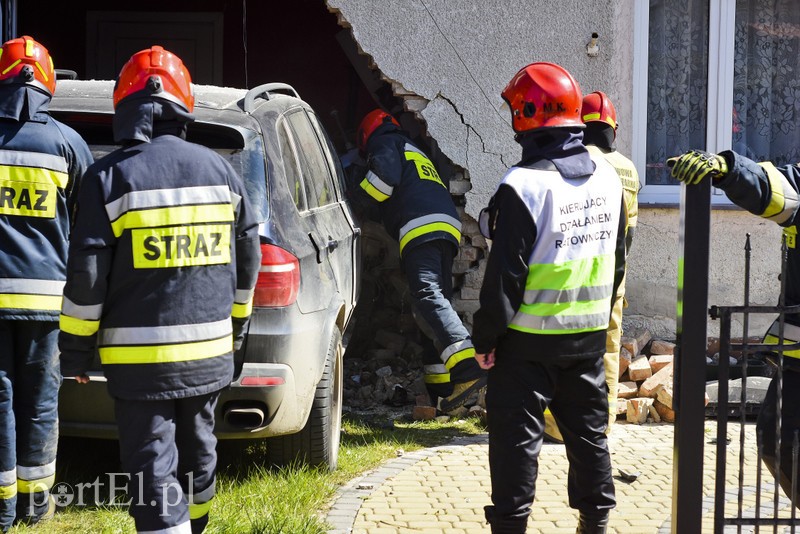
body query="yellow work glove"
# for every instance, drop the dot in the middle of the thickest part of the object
(695, 165)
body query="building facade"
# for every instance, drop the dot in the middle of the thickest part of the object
(710, 74)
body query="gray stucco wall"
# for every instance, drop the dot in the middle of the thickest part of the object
(653, 265)
(460, 55)
(457, 56)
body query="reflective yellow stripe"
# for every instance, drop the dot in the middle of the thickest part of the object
(173, 216)
(591, 117)
(565, 308)
(28, 48)
(35, 486)
(30, 302)
(17, 62)
(583, 272)
(459, 356)
(242, 311)
(196, 511)
(6, 492)
(440, 378)
(769, 339)
(33, 175)
(776, 200)
(373, 191)
(427, 229)
(556, 331)
(77, 327)
(43, 73)
(180, 352)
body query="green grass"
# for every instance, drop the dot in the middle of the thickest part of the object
(251, 496)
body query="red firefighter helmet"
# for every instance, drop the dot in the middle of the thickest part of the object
(24, 60)
(159, 72)
(543, 95)
(597, 107)
(369, 124)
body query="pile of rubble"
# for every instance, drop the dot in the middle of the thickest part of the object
(383, 362)
(645, 379)
(387, 372)
(645, 389)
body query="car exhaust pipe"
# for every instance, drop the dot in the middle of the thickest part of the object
(245, 418)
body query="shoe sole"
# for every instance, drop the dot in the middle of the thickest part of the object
(450, 405)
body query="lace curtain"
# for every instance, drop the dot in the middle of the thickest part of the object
(677, 83)
(766, 94)
(766, 99)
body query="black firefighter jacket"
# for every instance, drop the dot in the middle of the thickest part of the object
(416, 205)
(772, 193)
(41, 164)
(165, 251)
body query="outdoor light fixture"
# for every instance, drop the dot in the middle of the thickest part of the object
(592, 49)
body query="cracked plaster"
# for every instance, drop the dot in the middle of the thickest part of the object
(459, 55)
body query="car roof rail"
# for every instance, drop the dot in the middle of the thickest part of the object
(66, 74)
(264, 90)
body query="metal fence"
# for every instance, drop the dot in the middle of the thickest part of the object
(747, 497)
(751, 498)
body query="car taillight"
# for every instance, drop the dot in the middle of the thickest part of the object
(263, 381)
(278, 279)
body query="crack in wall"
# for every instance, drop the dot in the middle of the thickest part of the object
(472, 129)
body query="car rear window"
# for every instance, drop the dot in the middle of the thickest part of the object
(242, 148)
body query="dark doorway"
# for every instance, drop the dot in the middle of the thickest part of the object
(241, 43)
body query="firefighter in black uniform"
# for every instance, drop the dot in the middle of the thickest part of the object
(41, 161)
(162, 263)
(418, 211)
(557, 258)
(772, 193)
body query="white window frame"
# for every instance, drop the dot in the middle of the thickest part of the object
(719, 119)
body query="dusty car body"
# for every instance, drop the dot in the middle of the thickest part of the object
(288, 377)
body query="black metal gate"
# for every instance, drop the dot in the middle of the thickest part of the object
(747, 497)
(763, 503)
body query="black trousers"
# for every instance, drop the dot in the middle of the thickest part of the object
(518, 391)
(169, 450)
(790, 424)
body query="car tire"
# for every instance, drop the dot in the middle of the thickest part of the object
(317, 444)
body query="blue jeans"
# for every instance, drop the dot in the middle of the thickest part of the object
(168, 448)
(29, 382)
(429, 271)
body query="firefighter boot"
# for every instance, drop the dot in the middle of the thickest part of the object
(502, 525)
(592, 523)
(462, 391)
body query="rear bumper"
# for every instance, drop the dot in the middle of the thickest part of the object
(269, 408)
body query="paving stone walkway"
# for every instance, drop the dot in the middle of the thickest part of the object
(444, 489)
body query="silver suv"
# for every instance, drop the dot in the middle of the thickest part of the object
(287, 385)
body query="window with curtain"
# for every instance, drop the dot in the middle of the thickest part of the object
(764, 79)
(677, 83)
(766, 94)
